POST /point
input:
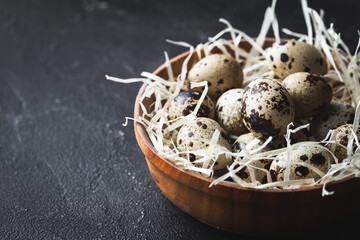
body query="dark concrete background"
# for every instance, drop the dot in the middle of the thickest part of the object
(68, 168)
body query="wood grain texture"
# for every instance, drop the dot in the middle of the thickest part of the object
(244, 210)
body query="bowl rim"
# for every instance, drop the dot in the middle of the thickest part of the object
(139, 128)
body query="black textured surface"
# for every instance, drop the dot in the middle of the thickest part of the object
(68, 168)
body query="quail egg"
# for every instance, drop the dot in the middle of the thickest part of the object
(342, 135)
(228, 111)
(244, 174)
(222, 73)
(171, 135)
(333, 116)
(267, 108)
(185, 103)
(313, 155)
(196, 134)
(310, 92)
(293, 56)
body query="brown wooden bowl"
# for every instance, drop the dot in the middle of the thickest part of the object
(239, 209)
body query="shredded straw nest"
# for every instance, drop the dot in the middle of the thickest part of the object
(344, 74)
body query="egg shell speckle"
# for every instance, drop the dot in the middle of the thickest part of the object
(222, 73)
(228, 111)
(333, 116)
(185, 103)
(342, 135)
(267, 108)
(172, 135)
(310, 154)
(192, 133)
(263, 163)
(310, 93)
(293, 56)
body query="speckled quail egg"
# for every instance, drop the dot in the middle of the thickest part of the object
(267, 108)
(228, 111)
(193, 135)
(310, 92)
(342, 135)
(263, 163)
(222, 73)
(338, 89)
(293, 56)
(171, 135)
(185, 103)
(313, 155)
(333, 116)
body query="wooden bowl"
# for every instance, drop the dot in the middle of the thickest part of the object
(239, 209)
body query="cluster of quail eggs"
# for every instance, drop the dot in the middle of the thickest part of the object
(297, 93)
